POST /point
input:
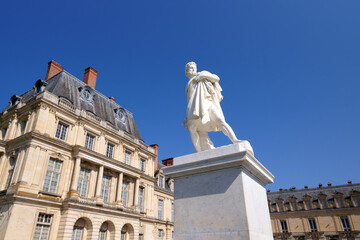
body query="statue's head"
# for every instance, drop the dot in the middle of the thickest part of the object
(190, 69)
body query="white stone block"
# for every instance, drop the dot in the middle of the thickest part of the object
(220, 194)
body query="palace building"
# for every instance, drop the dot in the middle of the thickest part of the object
(73, 165)
(327, 212)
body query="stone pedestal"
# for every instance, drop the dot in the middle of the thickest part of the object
(220, 194)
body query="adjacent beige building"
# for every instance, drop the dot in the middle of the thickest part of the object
(73, 166)
(331, 212)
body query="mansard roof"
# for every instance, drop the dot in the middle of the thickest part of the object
(314, 193)
(75, 92)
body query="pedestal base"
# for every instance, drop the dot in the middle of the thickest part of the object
(220, 194)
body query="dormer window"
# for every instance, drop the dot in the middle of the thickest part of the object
(161, 181)
(40, 86)
(15, 99)
(121, 115)
(87, 94)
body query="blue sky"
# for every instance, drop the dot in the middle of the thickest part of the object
(290, 71)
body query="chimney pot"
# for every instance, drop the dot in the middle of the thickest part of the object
(306, 187)
(168, 161)
(349, 182)
(268, 190)
(53, 69)
(90, 77)
(320, 185)
(293, 188)
(280, 189)
(329, 184)
(112, 99)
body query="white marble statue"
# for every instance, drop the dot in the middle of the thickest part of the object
(204, 114)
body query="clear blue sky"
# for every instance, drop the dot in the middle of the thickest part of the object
(290, 71)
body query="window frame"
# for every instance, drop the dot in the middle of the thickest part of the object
(60, 131)
(161, 210)
(284, 226)
(12, 161)
(127, 161)
(76, 230)
(89, 140)
(82, 179)
(105, 187)
(160, 234)
(110, 153)
(345, 221)
(142, 163)
(124, 194)
(23, 126)
(141, 198)
(43, 223)
(161, 181)
(52, 171)
(312, 225)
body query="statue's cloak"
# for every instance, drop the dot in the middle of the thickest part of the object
(203, 97)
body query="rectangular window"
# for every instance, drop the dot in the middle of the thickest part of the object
(283, 226)
(141, 199)
(345, 223)
(83, 183)
(52, 176)
(77, 233)
(3, 133)
(172, 212)
(105, 188)
(127, 157)
(102, 235)
(160, 234)
(22, 126)
(124, 193)
(161, 181)
(109, 150)
(10, 172)
(42, 229)
(89, 141)
(142, 165)
(123, 235)
(61, 131)
(141, 237)
(312, 224)
(160, 209)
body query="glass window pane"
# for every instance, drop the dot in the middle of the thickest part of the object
(124, 193)
(160, 209)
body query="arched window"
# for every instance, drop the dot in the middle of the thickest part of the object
(78, 229)
(107, 231)
(127, 232)
(82, 229)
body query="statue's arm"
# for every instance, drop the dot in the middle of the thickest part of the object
(204, 75)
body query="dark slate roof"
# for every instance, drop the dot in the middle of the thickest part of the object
(67, 87)
(167, 179)
(314, 192)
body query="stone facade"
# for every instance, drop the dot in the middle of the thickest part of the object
(330, 213)
(73, 166)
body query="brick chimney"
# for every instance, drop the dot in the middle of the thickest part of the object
(53, 69)
(156, 147)
(168, 161)
(90, 77)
